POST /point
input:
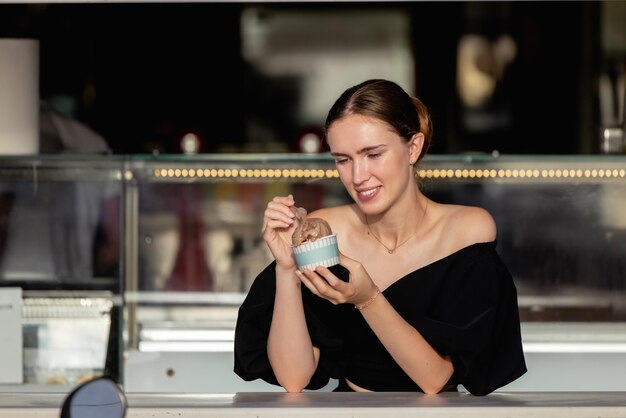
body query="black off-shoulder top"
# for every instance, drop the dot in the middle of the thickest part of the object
(465, 306)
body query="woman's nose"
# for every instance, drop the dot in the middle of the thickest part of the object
(360, 172)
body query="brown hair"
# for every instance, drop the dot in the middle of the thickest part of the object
(388, 102)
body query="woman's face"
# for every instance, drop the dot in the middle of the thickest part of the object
(372, 161)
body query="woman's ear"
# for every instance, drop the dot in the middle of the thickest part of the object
(416, 144)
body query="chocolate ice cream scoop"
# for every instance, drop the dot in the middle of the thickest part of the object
(308, 229)
(300, 213)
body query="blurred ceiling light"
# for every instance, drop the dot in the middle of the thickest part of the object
(310, 143)
(475, 83)
(480, 65)
(190, 143)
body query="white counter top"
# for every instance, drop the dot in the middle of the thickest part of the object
(339, 405)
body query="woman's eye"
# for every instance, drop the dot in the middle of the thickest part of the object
(375, 155)
(341, 161)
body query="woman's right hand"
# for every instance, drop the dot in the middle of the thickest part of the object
(279, 224)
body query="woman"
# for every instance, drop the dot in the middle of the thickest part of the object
(435, 305)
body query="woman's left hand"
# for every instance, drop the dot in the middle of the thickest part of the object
(323, 283)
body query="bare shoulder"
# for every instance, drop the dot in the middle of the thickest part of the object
(338, 217)
(468, 225)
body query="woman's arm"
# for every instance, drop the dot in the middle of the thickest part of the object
(289, 348)
(290, 351)
(419, 360)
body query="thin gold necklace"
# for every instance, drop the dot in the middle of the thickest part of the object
(391, 250)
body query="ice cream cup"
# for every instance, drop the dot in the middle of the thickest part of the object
(321, 252)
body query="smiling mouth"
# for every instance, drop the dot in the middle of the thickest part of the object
(368, 192)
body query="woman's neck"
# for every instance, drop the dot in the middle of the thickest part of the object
(398, 224)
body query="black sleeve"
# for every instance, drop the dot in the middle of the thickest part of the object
(478, 325)
(253, 325)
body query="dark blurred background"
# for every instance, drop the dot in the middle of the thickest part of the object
(516, 77)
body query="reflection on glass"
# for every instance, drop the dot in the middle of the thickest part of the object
(558, 230)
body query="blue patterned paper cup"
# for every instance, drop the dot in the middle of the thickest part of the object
(321, 252)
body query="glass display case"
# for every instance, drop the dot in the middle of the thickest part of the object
(176, 240)
(60, 226)
(560, 230)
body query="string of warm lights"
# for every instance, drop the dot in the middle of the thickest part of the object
(263, 173)
(522, 173)
(245, 173)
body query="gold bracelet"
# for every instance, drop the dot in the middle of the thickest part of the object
(369, 302)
